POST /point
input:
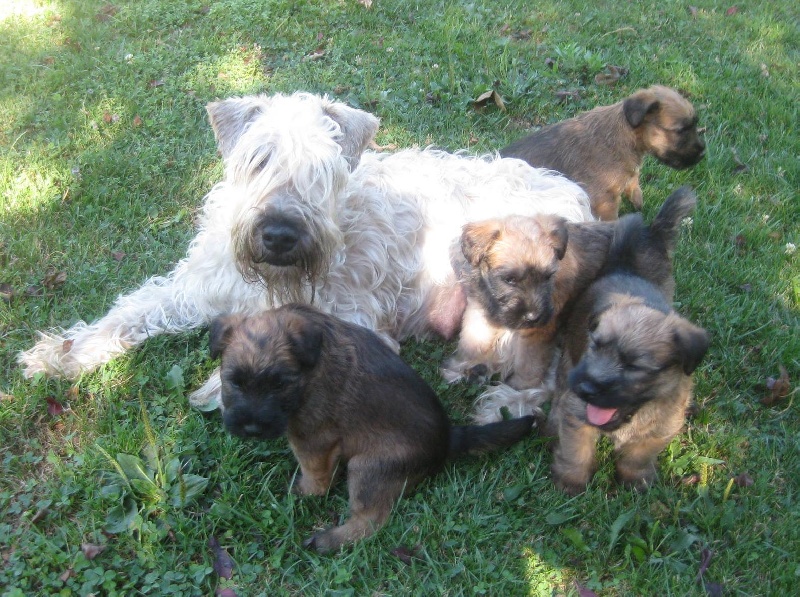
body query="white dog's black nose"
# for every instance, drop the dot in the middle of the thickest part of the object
(279, 238)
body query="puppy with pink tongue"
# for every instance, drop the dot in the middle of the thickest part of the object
(628, 357)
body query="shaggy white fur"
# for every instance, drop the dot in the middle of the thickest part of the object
(303, 214)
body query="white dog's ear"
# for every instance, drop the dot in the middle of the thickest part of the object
(229, 118)
(358, 129)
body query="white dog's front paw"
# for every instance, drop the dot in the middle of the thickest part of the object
(51, 356)
(208, 397)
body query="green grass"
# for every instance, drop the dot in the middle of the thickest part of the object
(105, 155)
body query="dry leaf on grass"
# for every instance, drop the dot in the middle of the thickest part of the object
(614, 74)
(489, 96)
(91, 551)
(778, 388)
(407, 555)
(55, 408)
(54, 279)
(6, 292)
(223, 564)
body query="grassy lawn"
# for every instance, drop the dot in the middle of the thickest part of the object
(115, 486)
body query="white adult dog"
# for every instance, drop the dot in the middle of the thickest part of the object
(303, 214)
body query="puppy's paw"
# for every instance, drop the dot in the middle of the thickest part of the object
(639, 479)
(478, 374)
(569, 487)
(307, 486)
(323, 542)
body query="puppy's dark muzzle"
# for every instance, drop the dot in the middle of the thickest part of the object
(687, 156)
(243, 424)
(532, 319)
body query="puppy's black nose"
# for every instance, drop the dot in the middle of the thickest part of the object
(586, 388)
(279, 237)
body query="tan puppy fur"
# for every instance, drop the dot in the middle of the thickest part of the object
(626, 368)
(523, 275)
(340, 394)
(520, 274)
(602, 149)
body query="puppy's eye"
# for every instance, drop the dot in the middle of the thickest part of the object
(511, 280)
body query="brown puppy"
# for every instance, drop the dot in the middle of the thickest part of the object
(340, 394)
(626, 368)
(522, 276)
(520, 273)
(602, 149)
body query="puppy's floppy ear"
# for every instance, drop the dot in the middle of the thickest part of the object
(691, 344)
(639, 105)
(306, 336)
(557, 234)
(358, 129)
(229, 118)
(477, 238)
(220, 333)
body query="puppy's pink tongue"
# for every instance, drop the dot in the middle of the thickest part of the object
(599, 416)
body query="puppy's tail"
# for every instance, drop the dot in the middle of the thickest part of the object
(478, 439)
(635, 245)
(666, 225)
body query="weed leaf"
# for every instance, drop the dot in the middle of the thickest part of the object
(186, 489)
(121, 518)
(134, 468)
(617, 526)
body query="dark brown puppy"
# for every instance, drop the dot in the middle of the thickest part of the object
(626, 368)
(340, 394)
(602, 149)
(522, 275)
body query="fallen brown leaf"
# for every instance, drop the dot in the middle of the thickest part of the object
(732, 11)
(106, 11)
(407, 555)
(4, 396)
(55, 408)
(693, 11)
(692, 479)
(489, 96)
(40, 514)
(66, 575)
(614, 74)
(6, 292)
(563, 95)
(705, 560)
(137, 120)
(778, 388)
(583, 591)
(388, 147)
(118, 255)
(155, 83)
(54, 279)
(223, 564)
(743, 480)
(91, 551)
(34, 290)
